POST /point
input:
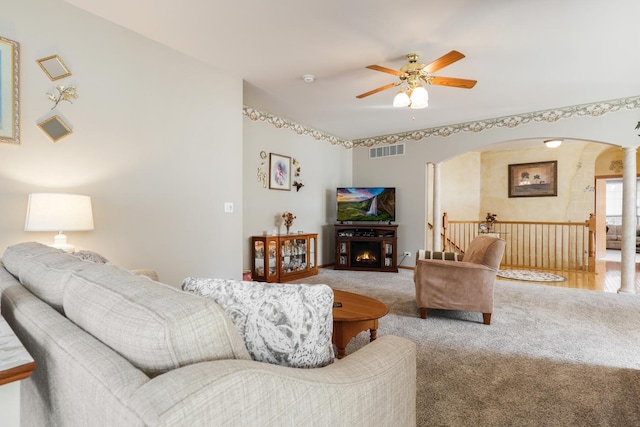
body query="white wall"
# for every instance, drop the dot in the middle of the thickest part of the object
(324, 167)
(157, 143)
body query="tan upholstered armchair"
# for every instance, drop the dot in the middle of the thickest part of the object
(466, 284)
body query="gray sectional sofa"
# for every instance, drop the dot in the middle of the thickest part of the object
(614, 236)
(117, 349)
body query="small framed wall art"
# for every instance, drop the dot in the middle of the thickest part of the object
(53, 67)
(279, 172)
(55, 128)
(538, 179)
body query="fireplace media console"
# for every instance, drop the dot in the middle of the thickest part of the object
(366, 247)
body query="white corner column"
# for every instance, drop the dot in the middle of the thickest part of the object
(629, 207)
(427, 232)
(437, 214)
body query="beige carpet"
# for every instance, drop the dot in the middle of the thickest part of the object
(551, 357)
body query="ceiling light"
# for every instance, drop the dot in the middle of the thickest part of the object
(419, 98)
(553, 143)
(401, 99)
(415, 96)
(308, 78)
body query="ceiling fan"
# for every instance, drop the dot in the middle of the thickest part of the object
(411, 75)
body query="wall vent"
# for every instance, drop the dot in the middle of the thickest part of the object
(386, 151)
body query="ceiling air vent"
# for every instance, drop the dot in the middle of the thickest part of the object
(386, 151)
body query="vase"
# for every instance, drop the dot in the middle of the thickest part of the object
(287, 226)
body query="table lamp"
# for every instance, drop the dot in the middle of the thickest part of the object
(59, 212)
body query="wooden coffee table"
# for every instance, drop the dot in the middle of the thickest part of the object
(358, 313)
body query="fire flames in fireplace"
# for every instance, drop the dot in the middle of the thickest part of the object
(366, 254)
(366, 257)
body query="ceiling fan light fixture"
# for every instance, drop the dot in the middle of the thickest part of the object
(401, 99)
(553, 143)
(419, 98)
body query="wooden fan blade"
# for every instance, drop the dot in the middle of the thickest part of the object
(380, 89)
(443, 61)
(386, 70)
(452, 82)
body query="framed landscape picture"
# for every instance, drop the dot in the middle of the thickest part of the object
(9, 88)
(279, 172)
(538, 179)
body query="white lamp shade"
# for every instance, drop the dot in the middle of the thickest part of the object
(419, 98)
(58, 212)
(401, 99)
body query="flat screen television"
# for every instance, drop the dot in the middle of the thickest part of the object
(366, 204)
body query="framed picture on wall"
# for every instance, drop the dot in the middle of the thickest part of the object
(9, 88)
(538, 179)
(279, 172)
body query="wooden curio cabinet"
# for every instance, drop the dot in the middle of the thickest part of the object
(284, 258)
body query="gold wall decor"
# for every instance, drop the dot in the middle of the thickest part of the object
(262, 175)
(55, 128)
(65, 93)
(297, 180)
(53, 67)
(9, 92)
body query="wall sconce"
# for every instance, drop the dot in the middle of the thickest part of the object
(59, 212)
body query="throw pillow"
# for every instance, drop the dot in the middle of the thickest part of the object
(445, 256)
(289, 325)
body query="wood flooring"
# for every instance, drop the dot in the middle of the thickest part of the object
(605, 279)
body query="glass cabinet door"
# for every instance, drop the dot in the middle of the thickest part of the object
(342, 253)
(312, 252)
(388, 254)
(273, 271)
(293, 255)
(258, 253)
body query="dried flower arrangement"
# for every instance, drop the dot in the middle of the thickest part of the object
(288, 219)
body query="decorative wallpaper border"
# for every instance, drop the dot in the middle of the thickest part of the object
(549, 116)
(280, 122)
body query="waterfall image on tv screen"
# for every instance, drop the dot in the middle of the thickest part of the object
(366, 204)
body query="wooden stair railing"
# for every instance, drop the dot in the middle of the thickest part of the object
(539, 245)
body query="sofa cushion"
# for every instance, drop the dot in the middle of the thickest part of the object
(42, 269)
(289, 325)
(156, 327)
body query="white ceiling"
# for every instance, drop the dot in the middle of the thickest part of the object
(527, 55)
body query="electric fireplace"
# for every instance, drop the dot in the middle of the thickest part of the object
(366, 254)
